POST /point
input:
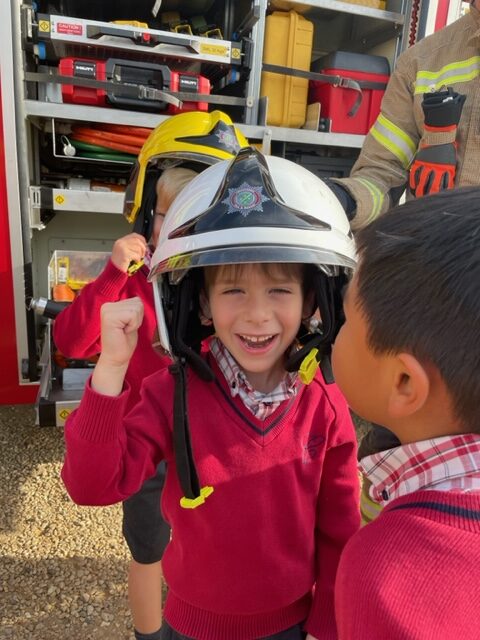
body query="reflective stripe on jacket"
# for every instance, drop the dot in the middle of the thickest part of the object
(450, 57)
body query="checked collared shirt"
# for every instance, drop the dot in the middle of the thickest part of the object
(260, 404)
(448, 463)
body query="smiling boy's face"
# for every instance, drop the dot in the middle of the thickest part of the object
(359, 372)
(256, 313)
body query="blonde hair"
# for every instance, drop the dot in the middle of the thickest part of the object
(172, 181)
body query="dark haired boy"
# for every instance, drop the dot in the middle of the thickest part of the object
(408, 357)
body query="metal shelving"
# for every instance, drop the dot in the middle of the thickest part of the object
(351, 8)
(37, 109)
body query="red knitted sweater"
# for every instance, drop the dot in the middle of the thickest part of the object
(413, 573)
(285, 501)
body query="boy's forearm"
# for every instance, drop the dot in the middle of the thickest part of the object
(108, 378)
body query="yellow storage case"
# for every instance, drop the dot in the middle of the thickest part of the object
(288, 42)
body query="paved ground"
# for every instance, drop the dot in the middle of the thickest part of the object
(62, 568)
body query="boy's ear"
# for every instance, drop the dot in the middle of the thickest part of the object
(205, 313)
(410, 387)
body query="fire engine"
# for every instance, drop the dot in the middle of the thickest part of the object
(79, 79)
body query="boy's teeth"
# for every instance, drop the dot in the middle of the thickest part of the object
(257, 341)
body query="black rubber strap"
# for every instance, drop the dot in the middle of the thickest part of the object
(336, 81)
(128, 90)
(136, 91)
(186, 471)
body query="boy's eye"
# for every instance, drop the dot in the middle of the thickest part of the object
(281, 290)
(231, 291)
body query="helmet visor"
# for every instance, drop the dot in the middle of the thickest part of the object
(328, 261)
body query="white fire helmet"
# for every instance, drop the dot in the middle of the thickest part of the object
(254, 208)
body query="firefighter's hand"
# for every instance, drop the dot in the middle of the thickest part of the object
(120, 323)
(435, 163)
(130, 248)
(433, 170)
(310, 637)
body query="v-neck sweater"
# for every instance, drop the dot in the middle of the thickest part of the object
(413, 572)
(261, 554)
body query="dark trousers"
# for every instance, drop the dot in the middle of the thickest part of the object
(294, 633)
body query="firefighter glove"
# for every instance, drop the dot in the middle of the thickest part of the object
(346, 200)
(433, 168)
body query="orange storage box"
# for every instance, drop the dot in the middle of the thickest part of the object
(288, 43)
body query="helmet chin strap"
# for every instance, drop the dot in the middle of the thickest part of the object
(187, 323)
(144, 221)
(194, 495)
(316, 347)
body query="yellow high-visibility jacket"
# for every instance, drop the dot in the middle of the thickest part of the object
(450, 57)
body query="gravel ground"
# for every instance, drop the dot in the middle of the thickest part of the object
(63, 568)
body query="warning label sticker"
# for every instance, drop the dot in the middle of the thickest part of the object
(44, 26)
(69, 29)
(64, 413)
(214, 50)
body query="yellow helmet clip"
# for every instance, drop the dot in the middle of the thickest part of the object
(309, 367)
(193, 503)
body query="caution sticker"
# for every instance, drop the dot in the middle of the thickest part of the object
(44, 26)
(59, 199)
(214, 49)
(70, 29)
(64, 413)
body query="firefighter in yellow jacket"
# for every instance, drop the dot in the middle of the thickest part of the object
(427, 136)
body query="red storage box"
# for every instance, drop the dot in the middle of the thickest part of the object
(190, 83)
(83, 68)
(372, 74)
(130, 72)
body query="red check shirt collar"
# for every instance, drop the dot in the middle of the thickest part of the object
(449, 463)
(262, 405)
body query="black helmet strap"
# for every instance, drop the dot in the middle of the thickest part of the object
(329, 303)
(182, 446)
(186, 322)
(144, 221)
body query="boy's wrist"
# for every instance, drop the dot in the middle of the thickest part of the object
(110, 282)
(108, 377)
